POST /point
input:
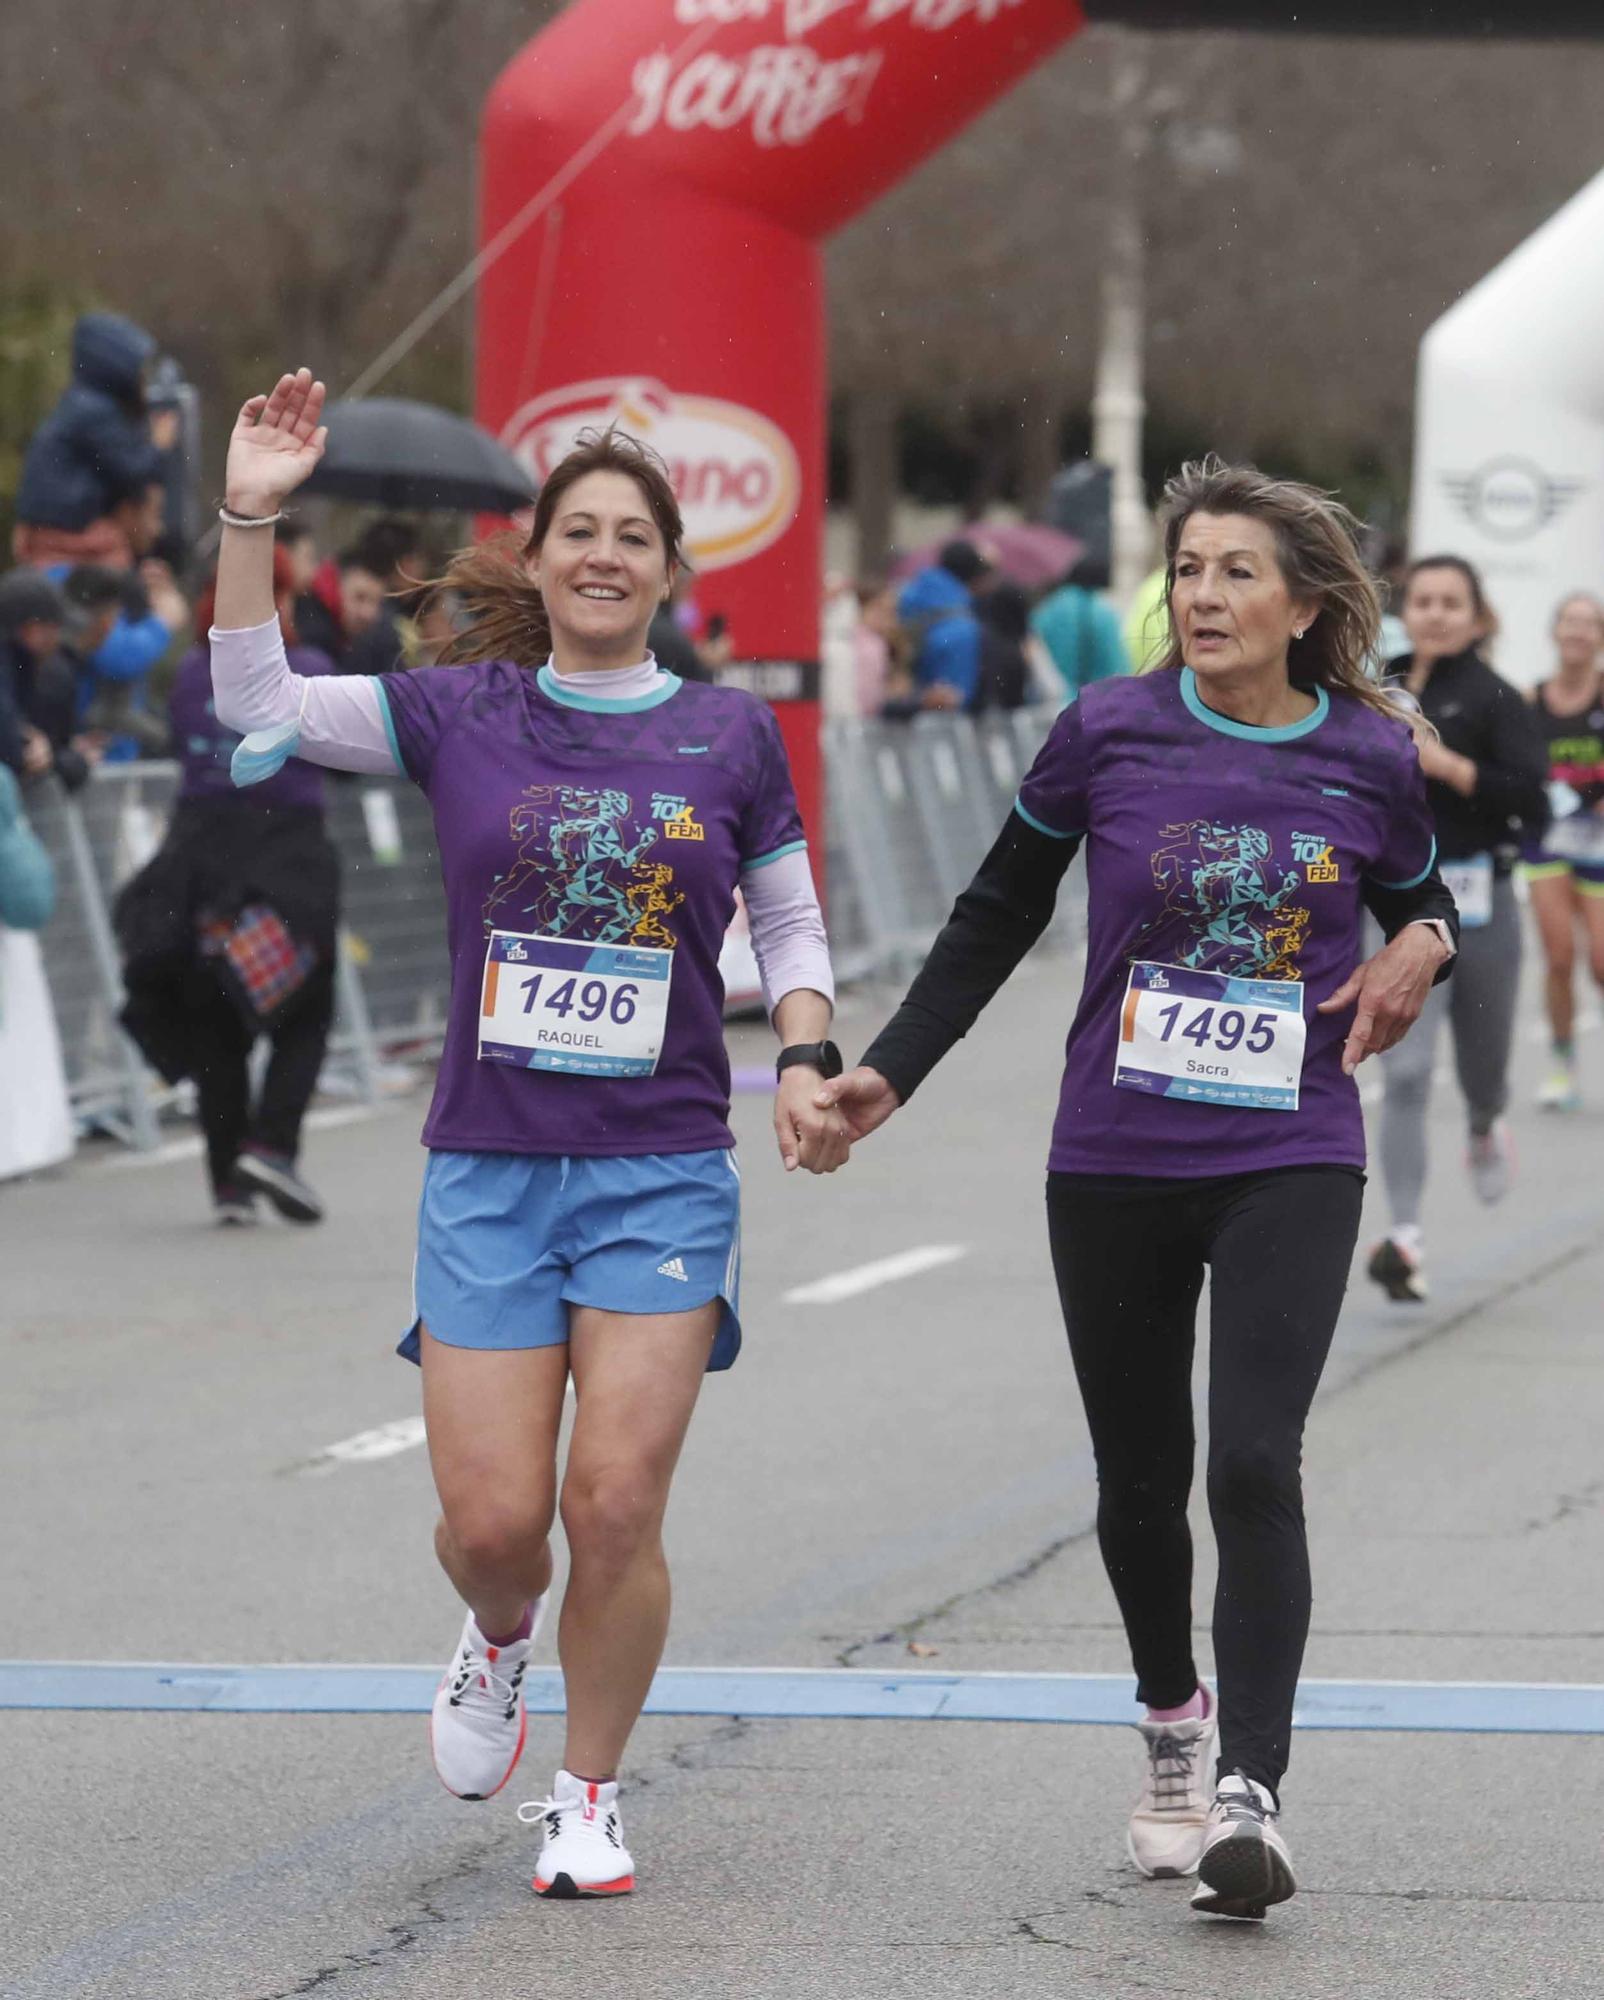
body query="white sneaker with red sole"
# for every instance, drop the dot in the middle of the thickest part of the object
(478, 1724)
(584, 1852)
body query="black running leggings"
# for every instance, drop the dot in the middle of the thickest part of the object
(1129, 1255)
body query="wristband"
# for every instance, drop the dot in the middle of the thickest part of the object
(230, 519)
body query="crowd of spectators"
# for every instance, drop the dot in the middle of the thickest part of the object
(960, 635)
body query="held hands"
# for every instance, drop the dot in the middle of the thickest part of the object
(1390, 989)
(862, 1098)
(276, 443)
(809, 1134)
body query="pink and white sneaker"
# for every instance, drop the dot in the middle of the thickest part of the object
(478, 1724)
(1165, 1836)
(584, 1852)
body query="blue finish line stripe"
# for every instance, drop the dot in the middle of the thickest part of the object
(1496, 1707)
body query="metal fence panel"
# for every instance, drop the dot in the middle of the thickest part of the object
(911, 809)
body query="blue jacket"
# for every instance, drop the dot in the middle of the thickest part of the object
(94, 448)
(1082, 634)
(936, 611)
(27, 880)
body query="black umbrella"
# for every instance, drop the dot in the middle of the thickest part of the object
(410, 456)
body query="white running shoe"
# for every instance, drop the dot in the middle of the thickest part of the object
(1491, 1161)
(1165, 1837)
(584, 1852)
(1559, 1091)
(477, 1728)
(1245, 1865)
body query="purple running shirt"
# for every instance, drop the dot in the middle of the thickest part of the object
(602, 842)
(1216, 848)
(204, 745)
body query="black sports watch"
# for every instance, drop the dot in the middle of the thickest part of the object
(825, 1057)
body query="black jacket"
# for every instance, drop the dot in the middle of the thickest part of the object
(45, 694)
(219, 854)
(1481, 716)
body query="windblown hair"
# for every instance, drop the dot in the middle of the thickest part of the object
(1317, 548)
(501, 614)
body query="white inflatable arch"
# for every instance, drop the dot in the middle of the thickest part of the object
(1509, 430)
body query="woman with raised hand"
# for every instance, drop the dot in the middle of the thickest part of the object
(580, 1212)
(1240, 806)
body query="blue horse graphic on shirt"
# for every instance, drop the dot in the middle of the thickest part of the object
(1227, 908)
(578, 862)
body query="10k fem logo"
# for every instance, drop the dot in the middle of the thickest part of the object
(1313, 852)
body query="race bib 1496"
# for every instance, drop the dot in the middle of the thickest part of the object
(588, 1009)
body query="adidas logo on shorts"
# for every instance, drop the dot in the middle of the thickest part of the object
(674, 1268)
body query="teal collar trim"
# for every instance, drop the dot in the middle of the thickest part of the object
(599, 704)
(1212, 719)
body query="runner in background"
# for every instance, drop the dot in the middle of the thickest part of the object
(1564, 870)
(581, 1203)
(1485, 769)
(1240, 805)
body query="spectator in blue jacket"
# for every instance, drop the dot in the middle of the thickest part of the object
(27, 880)
(1080, 629)
(936, 610)
(99, 449)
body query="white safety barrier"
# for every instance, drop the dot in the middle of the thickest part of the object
(911, 809)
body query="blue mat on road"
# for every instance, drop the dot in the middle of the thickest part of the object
(1499, 1707)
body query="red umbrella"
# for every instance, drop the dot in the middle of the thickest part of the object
(1025, 552)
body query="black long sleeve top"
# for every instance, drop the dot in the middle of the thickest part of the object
(1004, 912)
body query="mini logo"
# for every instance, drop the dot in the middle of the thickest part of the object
(1335, 792)
(693, 749)
(735, 472)
(1510, 499)
(1314, 851)
(1157, 983)
(674, 1268)
(517, 952)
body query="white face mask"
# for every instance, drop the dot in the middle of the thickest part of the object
(265, 752)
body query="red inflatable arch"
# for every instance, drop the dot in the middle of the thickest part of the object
(664, 171)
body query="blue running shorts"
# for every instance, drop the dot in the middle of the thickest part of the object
(508, 1241)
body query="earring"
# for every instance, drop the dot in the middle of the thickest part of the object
(1297, 631)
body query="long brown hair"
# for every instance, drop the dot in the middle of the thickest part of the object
(502, 612)
(1317, 548)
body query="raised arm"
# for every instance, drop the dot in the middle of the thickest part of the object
(340, 721)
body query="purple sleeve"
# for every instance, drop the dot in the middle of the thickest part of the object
(1053, 797)
(420, 707)
(771, 825)
(1408, 839)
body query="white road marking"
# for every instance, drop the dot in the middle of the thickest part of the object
(191, 1149)
(382, 1442)
(884, 1271)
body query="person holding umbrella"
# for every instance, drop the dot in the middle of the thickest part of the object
(580, 1212)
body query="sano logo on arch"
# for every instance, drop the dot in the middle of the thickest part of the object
(734, 471)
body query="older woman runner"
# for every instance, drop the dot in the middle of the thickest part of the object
(1239, 806)
(580, 1212)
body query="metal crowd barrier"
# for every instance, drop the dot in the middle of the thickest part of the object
(911, 807)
